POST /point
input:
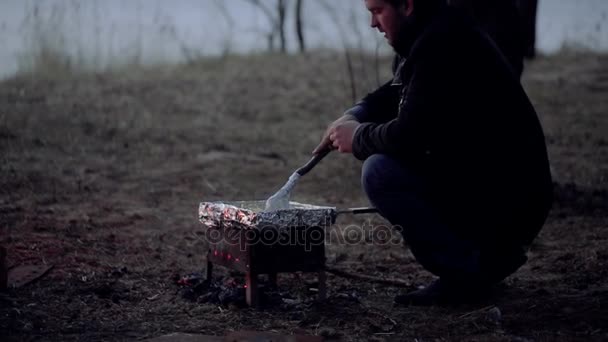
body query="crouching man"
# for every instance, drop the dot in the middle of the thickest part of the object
(453, 150)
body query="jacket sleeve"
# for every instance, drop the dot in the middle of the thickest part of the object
(379, 106)
(405, 135)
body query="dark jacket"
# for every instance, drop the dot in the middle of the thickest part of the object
(456, 114)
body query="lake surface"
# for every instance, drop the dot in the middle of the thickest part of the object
(100, 34)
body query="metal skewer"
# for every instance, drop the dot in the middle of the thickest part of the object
(280, 200)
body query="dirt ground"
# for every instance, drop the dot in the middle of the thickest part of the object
(101, 176)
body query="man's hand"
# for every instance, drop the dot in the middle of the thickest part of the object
(326, 141)
(342, 135)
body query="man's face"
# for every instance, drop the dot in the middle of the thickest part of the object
(389, 19)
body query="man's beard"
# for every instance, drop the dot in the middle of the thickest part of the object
(409, 31)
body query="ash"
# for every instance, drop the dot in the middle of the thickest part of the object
(230, 291)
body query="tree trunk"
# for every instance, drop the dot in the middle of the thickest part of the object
(299, 28)
(281, 24)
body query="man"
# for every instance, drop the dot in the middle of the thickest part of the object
(453, 151)
(527, 10)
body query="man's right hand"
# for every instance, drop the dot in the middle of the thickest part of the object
(325, 141)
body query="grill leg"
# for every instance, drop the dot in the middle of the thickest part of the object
(252, 289)
(272, 279)
(322, 286)
(209, 270)
(3, 269)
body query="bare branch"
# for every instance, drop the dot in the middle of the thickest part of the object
(221, 5)
(277, 21)
(267, 11)
(281, 7)
(299, 26)
(333, 13)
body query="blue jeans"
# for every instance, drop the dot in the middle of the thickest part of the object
(403, 198)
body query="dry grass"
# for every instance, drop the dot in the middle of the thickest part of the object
(101, 176)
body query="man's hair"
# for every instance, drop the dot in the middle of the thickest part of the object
(425, 8)
(396, 3)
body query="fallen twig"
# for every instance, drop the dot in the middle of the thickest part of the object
(385, 281)
(476, 311)
(382, 315)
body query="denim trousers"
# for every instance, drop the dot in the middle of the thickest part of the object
(402, 197)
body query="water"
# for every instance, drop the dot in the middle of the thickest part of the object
(99, 34)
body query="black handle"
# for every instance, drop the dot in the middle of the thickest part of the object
(313, 161)
(363, 210)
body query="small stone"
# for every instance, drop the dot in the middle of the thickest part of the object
(329, 333)
(520, 339)
(292, 301)
(494, 315)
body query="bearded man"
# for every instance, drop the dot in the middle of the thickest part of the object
(453, 153)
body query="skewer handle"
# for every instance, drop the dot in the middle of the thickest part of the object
(313, 161)
(355, 211)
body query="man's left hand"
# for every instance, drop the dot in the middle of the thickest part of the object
(341, 136)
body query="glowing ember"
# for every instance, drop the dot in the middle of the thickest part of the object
(213, 215)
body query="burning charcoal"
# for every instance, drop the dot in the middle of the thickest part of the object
(213, 215)
(249, 215)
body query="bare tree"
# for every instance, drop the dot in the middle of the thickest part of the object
(333, 14)
(221, 5)
(270, 16)
(277, 22)
(299, 25)
(281, 8)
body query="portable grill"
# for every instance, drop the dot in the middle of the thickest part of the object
(244, 237)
